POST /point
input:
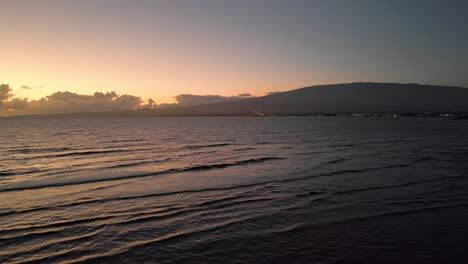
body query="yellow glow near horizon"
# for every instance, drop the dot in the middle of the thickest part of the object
(159, 49)
(85, 70)
(87, 55)
(84, 61)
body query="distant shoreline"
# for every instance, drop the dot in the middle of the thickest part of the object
(347, 99)
(458, 116)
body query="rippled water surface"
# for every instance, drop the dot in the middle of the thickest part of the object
(233, 190)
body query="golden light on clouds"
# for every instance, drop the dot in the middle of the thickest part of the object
(161, 49)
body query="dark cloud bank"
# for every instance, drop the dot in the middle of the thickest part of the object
(68, 102)
(191, 100)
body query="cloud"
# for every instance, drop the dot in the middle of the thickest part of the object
(5, 94)
(7, 103)
(68, 102)
(27, 87)
(190, 99)
(150, 105)
(16, 103)
(165, 105)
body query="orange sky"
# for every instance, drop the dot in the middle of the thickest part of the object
(56, 64)
(159, 49)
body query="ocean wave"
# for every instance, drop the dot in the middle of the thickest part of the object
(335, 161)
(404, 211)
(149, 174)
(116, 252)
(19, 253)
(369, 188)
(38, 150)
(223, 200)
(7, 173)
(214, 189)
(313, 193)
(83, 167)
(205, 146)
(123, 198)
(52, 225)
(224, 165)
(342, 145)
(244, 149)
(89, 151)
(123, 141)
(123, 219)
(85, 153)
(20, 172)
(133, 164)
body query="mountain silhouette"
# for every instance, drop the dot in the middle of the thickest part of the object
(339, 98)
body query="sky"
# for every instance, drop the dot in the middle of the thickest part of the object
(162, 49)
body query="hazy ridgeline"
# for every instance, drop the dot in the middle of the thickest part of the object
(339, 98)
(233, 190)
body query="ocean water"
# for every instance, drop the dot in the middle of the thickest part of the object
(233, 190)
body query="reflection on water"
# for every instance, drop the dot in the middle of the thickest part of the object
(233, 190)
